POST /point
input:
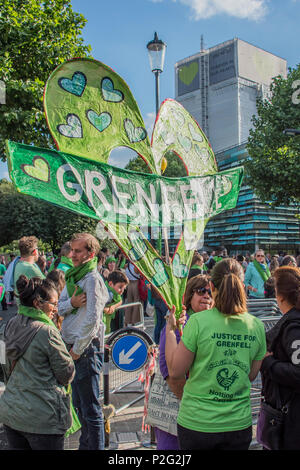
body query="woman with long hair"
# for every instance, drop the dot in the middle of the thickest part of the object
(35, 408)
(280, 369)
(221, 350)
(197, 297)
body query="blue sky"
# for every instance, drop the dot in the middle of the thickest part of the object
(118, 31)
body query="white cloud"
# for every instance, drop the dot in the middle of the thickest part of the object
(244, 9)
(149, 123)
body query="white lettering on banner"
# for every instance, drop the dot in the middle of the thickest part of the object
(90, 177)
(295, 355)
(77, 187)
(120, 199)
(166, 203)
(151, 203)
(197, 200)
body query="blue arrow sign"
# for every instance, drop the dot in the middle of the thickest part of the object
(129, 352)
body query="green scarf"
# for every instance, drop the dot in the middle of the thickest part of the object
(35, 314)
(73, 275)
(116, 297)
(264, 274)
(39, 315)
(115, 300)
(66, 261)
(196, 266)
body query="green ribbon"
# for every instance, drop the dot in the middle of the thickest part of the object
(73, 275)
(264, 274)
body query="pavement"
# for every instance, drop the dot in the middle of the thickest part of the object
(126, 424)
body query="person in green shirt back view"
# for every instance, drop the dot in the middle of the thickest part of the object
(26, 265)
(221, 349)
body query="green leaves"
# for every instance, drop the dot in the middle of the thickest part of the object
(274, 165)
(35, 37)
(24, 215)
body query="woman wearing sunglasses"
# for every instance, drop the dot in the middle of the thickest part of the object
(221, 349)
(197, 298)
(35, 407)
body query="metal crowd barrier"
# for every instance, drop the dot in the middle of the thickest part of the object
(263, 307)
(255, 392)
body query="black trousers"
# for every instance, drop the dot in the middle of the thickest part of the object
(231, 440)
(19, 440)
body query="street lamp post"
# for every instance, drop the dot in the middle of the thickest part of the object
(291, 132)
(156, 50)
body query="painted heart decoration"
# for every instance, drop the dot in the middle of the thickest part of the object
(39, 169)
(90, 111)
(75, 85)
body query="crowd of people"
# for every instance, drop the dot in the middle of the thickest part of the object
(207, 359)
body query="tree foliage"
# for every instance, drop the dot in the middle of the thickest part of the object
(35, 37)
(175, 167)
(22, 215)
(274, 165)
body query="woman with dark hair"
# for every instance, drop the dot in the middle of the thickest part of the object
(288, 261)
(280, 368)
(221, 349)
(197, 297)
(35, 407)
(57, 276)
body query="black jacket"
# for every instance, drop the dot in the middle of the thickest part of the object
(281, 372)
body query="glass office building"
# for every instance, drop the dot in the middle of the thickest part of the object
(219, 86)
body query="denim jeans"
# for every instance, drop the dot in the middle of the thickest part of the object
(160, 313)
(86, 397)
(19, 440)
(230, 440)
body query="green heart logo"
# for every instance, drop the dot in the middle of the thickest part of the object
(139, 247)
(72, 129)
(76, 85)
(39, 169)
(99, 121)
(185, 142)
(160, 276)
(179, 270)
(109, 92)
(195, 133)
(134, 134)
(187, 73)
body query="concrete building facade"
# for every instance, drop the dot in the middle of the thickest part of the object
(219, 87)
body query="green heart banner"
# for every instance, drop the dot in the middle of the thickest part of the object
(127, 202)
(90, 111)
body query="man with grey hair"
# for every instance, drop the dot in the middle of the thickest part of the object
(81, 305)
(256, 274)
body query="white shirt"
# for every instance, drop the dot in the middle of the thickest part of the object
(81, 328)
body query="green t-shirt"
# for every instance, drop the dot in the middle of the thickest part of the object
(2, 269)
(30, 270)
(216, 395)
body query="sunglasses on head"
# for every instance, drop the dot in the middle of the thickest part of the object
(202, 291)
